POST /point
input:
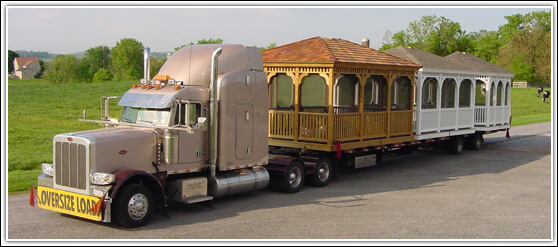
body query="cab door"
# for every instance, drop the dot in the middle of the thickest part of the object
(191, 143)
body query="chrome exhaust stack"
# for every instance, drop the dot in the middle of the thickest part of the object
(213, 125)
(146, 64)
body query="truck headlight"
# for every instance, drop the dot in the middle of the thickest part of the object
(47, 169)
(100, 178)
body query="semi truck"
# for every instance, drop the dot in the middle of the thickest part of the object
(198, 130)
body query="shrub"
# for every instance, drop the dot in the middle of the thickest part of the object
(102, 75)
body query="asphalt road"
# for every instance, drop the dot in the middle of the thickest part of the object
(501, 192)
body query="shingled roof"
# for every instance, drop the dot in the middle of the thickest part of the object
(474, 63)
(330, 51)
(426, 59)
(24, 61)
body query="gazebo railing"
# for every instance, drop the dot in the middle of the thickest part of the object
(346, 126)
(375, 125)
(313, 127)
(401, 123)
(281, 124)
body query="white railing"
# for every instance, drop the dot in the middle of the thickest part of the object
(498, 115)
(429, 120)
(466, 118)
(492, 115)
(481, 116)
(448, 119)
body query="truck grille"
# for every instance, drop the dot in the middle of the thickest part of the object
(70, 165)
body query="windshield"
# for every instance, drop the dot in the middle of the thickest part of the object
(146, 116)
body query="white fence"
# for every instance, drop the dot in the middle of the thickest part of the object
(520, 84)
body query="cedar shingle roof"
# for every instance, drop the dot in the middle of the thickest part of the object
(474, 63)
(424, 58)
(328, 50)
(24, 61)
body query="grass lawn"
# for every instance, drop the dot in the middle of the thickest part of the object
(37, 111)
(527, 108)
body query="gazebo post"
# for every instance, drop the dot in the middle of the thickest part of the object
(362, 83)
(412, 101)
(297, 82)
(330, 82)
(389, 79)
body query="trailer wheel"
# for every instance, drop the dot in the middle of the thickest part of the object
(456, 145)
(323, 172)
(475, 142)
(294, 178)
(133, 205)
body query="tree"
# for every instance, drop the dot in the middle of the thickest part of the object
(102, 75)
(528, 56)
(433, 34)
(127, 59)
(95, 58)
(523, 45)
(421, 31)
(271, 45)
(526, 48)
(445, 37)
(395, 40)
(11, 57)
(200, 42)
(41, 70)
(486, 45)
(64, 70)
(155, 66)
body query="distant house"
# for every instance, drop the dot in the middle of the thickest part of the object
(26, 67)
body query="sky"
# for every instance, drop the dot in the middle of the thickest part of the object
(58, 28)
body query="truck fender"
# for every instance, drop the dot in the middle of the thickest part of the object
(277, 166)
(123, 177)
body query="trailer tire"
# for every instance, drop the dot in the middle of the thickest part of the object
(475, 141)
(133, 205)
(294, 178)
(456, 145)
(323, 173)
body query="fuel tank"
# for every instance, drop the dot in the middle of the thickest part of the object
(238, 181)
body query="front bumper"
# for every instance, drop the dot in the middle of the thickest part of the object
(69, 202)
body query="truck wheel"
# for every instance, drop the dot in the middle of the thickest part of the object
(294, 178)
(456, 145)
(323, 172)
(133, 205)
(475, 142)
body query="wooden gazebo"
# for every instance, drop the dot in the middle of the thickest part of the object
(325, 91)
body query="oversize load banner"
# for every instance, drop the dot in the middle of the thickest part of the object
(68, 203)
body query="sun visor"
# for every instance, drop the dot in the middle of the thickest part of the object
(158, 101)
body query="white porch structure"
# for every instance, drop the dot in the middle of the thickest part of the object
(444, 104)
(456, 99)
(495, 113)
(493, 92)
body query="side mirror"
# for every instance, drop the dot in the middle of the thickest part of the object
(202, 123)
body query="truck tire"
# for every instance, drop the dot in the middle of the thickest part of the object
(294, 178)
(133, 205)
(474, 142)
(323, 173)
(456, 145)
